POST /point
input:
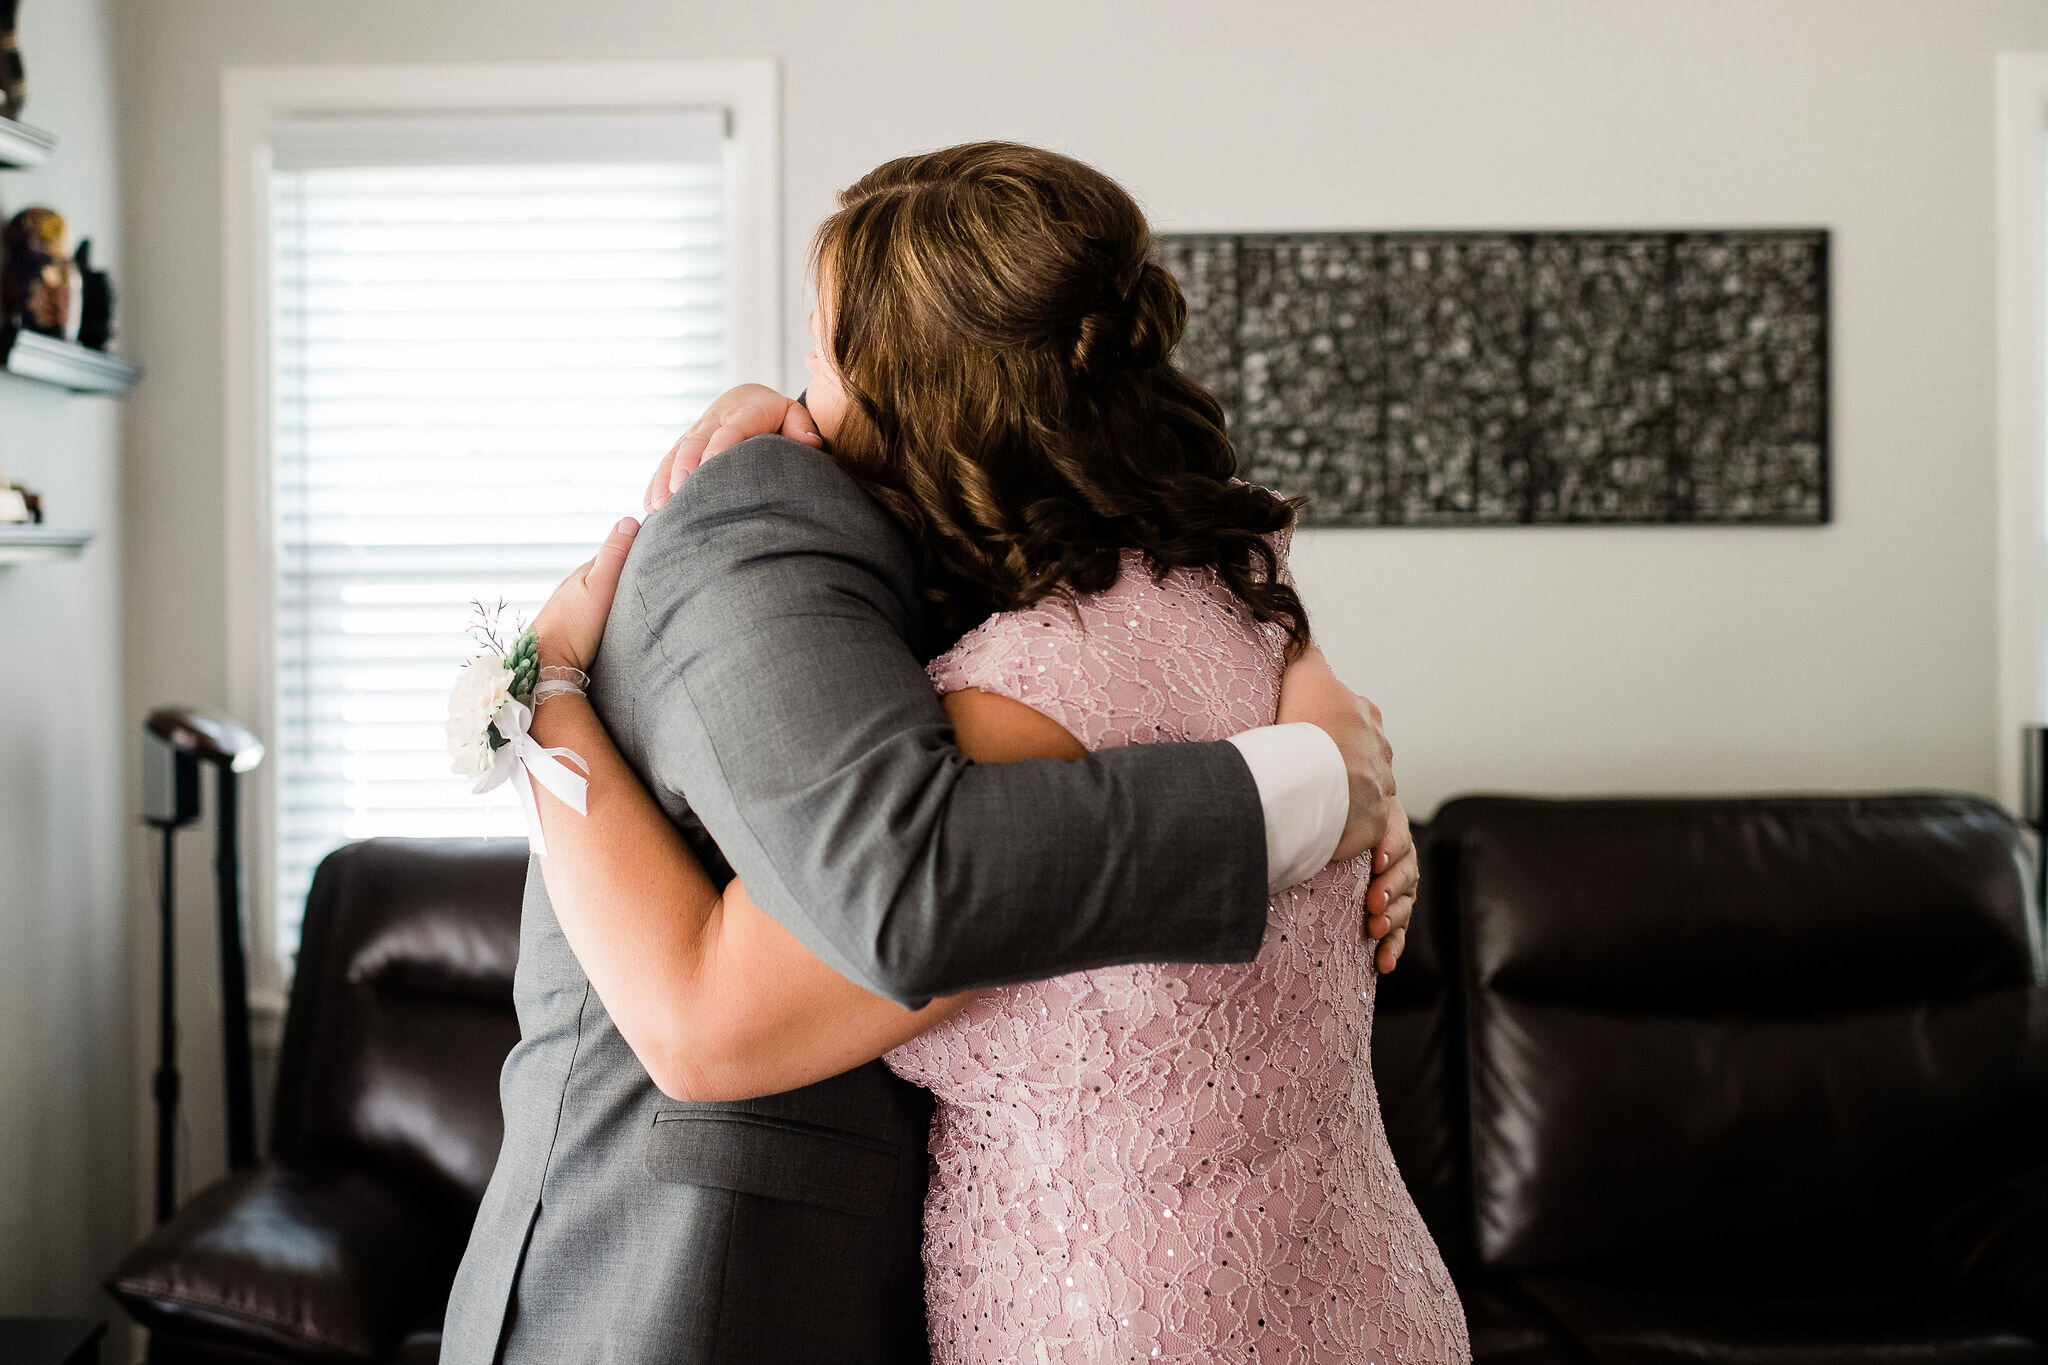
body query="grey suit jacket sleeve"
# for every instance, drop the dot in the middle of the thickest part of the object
(799, 725)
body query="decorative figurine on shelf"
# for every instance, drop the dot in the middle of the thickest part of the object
(39, 285)
(13, 88)
(15, 504)
(96, 301)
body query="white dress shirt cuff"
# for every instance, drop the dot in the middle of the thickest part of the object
(1306, 794)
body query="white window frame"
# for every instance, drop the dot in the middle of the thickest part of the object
(2022, 281)
(256, 99)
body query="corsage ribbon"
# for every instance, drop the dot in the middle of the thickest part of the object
(522, 761)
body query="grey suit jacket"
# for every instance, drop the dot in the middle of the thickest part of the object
(764, 657)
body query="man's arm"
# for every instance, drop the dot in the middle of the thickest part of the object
(800, 726)
(1308, 783)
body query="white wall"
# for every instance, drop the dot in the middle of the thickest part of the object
(1860, 655)
(65, 1022)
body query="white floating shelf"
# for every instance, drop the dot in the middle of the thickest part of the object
(20, 544)
(69, 366)
(22, 146)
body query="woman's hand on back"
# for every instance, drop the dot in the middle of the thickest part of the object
(734, 416)
(571, 625)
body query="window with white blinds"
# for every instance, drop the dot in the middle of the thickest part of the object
(486, 330)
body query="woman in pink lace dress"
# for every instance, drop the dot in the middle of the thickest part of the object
(1145, 1163)
(1169, 1162)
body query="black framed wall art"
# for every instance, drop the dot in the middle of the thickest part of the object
(1519, 378)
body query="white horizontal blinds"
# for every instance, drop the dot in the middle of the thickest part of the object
(486, 332)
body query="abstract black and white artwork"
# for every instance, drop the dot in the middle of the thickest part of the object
(1515, 378)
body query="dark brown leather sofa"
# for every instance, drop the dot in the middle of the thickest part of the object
(1751, 1081)
(1728, 1080)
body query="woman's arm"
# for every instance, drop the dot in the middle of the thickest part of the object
(717, 1000)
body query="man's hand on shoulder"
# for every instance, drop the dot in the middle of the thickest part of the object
(734, 416)
(1390, 899)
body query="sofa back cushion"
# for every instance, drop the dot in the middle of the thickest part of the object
(1738, 1032)
(401, 1010)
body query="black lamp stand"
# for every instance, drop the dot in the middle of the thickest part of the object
(179, 740)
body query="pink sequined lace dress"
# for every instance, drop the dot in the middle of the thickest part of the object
(1170, 1163)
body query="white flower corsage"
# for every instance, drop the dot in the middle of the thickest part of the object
(489, 713)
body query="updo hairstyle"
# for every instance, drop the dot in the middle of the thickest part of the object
(1005, 339)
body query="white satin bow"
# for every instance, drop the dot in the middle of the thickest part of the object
(521, 757)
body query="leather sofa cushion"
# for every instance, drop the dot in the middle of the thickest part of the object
(1505, 1333)
(401, 1011)
(422, 1347)
(1706, 1031)
(1999, 1241)
(1742, 1324)
(315, 1264)
(1796, 908)
(200, 1348)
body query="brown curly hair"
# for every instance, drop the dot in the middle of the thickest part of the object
(1004, 339)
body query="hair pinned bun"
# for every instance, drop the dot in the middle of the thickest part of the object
(1136, 333)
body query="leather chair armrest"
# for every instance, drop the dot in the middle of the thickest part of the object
(2000, 1244)
(310, 1261)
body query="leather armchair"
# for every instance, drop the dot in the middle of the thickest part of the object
(342, 1245)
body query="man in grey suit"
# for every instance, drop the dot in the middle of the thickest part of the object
(762, 672)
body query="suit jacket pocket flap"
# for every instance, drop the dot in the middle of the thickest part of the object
(774, 1158)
